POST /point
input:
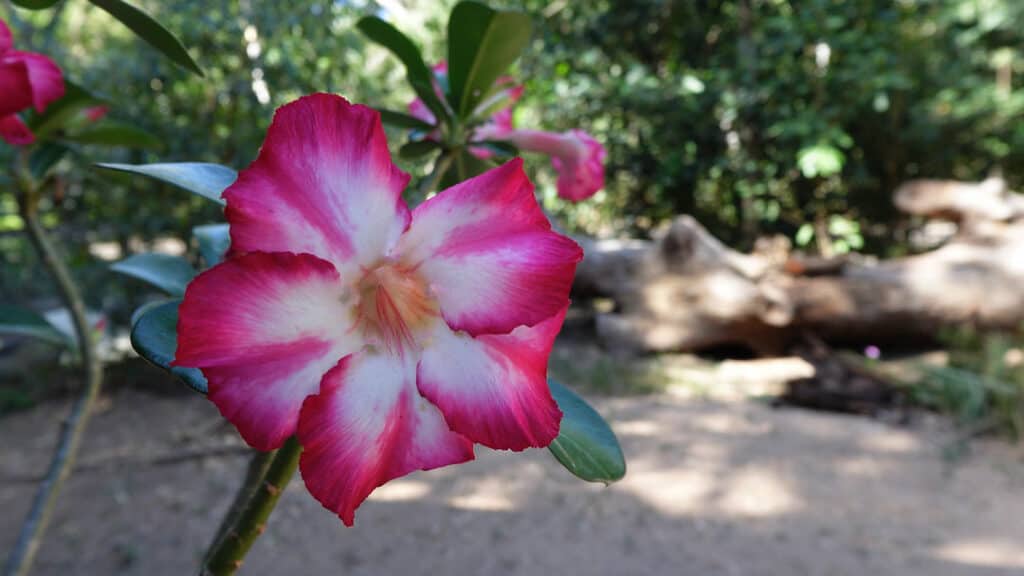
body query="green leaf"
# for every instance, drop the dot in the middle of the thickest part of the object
(45, 157)
(402, 120)
(586, 445)
(25, 322)
(168, 273)
(155, 338)
(206, 180)
(214, 241)
(145, 27)
(112, 133)
(63, 110)
(498, 147)
(482, 44)
(464, 167)
(420, 77)
(35, 4)
(418, 148)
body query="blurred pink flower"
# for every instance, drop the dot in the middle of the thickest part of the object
(576, 156)
(27, 80)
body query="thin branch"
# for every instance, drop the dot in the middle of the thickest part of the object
(430, 181)
(229, 550)
(131, 458)
(73, 428)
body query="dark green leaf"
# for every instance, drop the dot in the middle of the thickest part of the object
(420, 77)
(25, 322)
(63, 110)
(155, 338)
(111, 133)
(145, 27)
(464, 167)
(206, 180)
(418, 148)
(34, 4)
(482, 44)
(214, 241)
(168, 273)
(586, 445)
(402, 120)
(497, 147)
(45, 157)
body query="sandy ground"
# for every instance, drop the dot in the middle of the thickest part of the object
(714, 488)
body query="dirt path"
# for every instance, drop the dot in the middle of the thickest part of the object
(714, 488)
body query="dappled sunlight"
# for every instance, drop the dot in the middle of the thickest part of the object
(757, 492)
(400, 490)
(987, 553)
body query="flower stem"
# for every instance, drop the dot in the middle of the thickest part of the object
(250, 519)
(441, 165)
(73, 428)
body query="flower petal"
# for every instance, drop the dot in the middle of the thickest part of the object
(17, 92)
(580, 175)
(14, 131)
(264, 328)
(323, 184)
(493, 389)
(489, 253)
(45, 77)
(368, 425)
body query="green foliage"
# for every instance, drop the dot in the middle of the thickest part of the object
(983, 387)
(25, 322)
(420, 77)
(585, 445)
(482, 44)
(206, 180)
(151, 31)
(155, 337)
(170, 274)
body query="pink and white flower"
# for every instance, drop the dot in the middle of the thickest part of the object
(576, 156)
(389, 341)
(27, 80)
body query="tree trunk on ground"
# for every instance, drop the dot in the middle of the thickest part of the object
(686, 291)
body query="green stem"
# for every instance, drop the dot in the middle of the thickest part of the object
(230, 548)
(73, 428)
(441, 165)
(259, 465)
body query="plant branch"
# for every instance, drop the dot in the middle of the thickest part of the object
(441, 165)
(73, 428)
(250, 519)
(259, 465)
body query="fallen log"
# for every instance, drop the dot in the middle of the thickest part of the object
(685, 291)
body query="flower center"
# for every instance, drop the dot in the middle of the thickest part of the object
(395, 306)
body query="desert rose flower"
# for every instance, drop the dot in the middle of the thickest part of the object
(95, 113)
(27, 80)
(389, 341)
(576, 156)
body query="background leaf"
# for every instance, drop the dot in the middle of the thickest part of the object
(403, 120)
(214, 241)
(35, 4)
(155, 338)
(168, 273)
(206, 180)
(112, 133)
(420, 76)
(482, 44)
(26, 322)
(418, 148)
(145, 27)
(45, 157)
(586, 445)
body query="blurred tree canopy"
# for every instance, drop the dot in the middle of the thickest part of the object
(756, 116)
